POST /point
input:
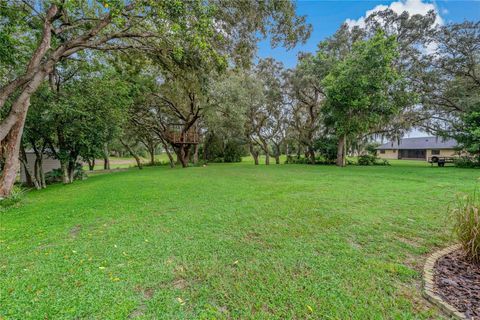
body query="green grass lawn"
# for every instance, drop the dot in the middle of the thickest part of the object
(126, 162)
(229, 241)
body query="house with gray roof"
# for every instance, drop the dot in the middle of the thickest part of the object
(423, 148)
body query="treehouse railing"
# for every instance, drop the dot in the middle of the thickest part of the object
(174, 135)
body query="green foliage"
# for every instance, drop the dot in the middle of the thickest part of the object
(294, 160)
(371, 148)
(451, 85)
(15, 197)
(214, 148)
(466, 217)
(79, 173)
(233, 152)
(468, 133)
(55, 175)
(303, 160)
(327, 148)
(79, 117)
(371, 160)
(14, 40)
(467, 162)
(220, 150)
(357, 88)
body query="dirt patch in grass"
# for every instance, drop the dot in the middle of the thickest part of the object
(75, 231)
(147, 294)
(180, 284)
(458, 282)
(411, 242)
(420, 305)
(415, 262)
(355, 245)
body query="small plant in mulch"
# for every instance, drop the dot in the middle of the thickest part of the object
(467, 225)
(457, 275)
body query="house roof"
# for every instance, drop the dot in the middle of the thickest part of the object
(420, 143)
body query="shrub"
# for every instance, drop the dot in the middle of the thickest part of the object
(214, 148)
(302, 160)
(294, 160)
(155, 164)
(466, 162)
(366, 160)
(53, 176)
(220, 149)
(371, 148)
(233, 151)
(370, 160)
(350, 162)
(56, 175)
(467, 225)
(327, 148)
(15, 197)
(79, 173)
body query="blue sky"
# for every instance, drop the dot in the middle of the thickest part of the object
(326, 16)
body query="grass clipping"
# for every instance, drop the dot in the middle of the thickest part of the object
(467, 225)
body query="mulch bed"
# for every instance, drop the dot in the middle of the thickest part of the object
(457, 281)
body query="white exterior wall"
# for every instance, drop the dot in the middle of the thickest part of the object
(443, 153)
(389, 154)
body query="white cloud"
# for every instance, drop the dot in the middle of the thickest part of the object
(411, 6)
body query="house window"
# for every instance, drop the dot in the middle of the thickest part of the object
(435, 152)
(382, 151)
(394, 150)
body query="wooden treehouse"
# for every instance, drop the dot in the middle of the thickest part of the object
(176, 135)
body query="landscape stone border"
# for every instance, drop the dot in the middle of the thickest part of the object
(429, 284)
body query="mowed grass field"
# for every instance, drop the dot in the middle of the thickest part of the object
(229, 241)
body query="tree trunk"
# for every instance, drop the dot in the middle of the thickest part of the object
(255, 158)
(106, 159)
(341, 151)
(277, 154)
(91, 164)
(39, 173)
(133, 154)
(151, 151)
(254, 153)
(267, 159)
(29, 175)
(182, 155)
(169, 154)
(137, 160)
(311, 154)
(11, 152)
(267, 153)
(65, 175)
(30, 180)
(195, 154)
(71, 171)
(205, 151)
(299, 151)
(11, 127)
